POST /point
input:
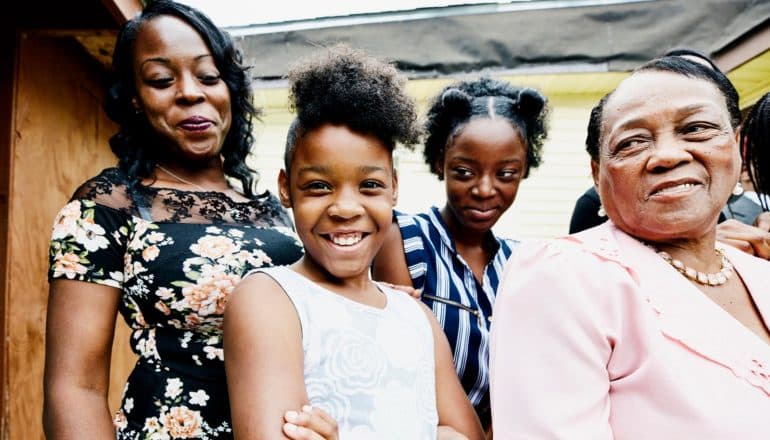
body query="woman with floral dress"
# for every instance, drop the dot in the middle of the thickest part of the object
(162, 238)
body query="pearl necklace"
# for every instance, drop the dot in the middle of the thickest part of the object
(707, 279)
(200, 188)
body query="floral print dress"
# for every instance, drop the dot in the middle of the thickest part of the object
(175, 256)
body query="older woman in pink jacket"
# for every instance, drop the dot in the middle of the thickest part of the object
(644, 327)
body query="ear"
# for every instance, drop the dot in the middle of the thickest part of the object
(438, 167)
(595, 173)
(283, 189)
(395, 187)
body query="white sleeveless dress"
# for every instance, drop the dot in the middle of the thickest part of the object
(371, 369)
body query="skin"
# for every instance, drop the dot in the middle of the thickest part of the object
(660, 131)
(482, 169)
(181, 93)
(175, 79)
(340, 182)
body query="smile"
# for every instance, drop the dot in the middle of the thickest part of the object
(675, 189)
(482, 213)
(346, 238)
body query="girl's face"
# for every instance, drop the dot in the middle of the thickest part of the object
(180, 89)
(342, 190)
(482, 167)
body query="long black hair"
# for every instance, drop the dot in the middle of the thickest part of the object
(134, 143)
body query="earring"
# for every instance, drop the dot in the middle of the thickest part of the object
(738, 190)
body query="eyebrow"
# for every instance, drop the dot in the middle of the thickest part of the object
(686, 111)
(321, 169)
(469, 159)
(164, 60)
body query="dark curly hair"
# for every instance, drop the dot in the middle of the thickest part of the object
(344, 86)
(755, 135)
(674, 64)
(135, 144)
(485, 97)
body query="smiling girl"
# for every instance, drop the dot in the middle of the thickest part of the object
(321, 332)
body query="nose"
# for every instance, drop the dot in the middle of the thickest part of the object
(484, 187)
(189, 90)
(667, 153)
(346, 205)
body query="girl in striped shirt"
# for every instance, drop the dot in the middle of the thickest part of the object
(483, 138)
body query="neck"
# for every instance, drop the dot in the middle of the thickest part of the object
(210, 176)
(698, 254)
(349, 285)
(461, 236)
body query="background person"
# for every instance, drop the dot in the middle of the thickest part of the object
(483, 138)
(630, 329)
(162, 238)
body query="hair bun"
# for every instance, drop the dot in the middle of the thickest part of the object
(531, 103)
(455, 99)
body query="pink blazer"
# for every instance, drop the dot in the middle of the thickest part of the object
(594, 336)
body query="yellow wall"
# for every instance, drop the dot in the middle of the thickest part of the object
(545, 201)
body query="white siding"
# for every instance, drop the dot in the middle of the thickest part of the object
(545, 201)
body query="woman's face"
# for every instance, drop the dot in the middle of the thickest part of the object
(668, 156)
(483, 167)
(180, 89)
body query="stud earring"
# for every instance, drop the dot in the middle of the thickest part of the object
(601, 212)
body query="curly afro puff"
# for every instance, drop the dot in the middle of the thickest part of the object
(345, 86)
(460, 102)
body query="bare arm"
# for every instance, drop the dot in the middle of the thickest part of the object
(390, 262)
(454, 408)
(79, 330)
(263, 358)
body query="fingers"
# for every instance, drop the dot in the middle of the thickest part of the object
(749, 239)
(743, 245)
(414, 293)
(763, 221)
(309, 424)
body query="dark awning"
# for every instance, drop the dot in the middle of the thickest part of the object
(611, 36)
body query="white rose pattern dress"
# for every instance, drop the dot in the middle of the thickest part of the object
(175, 256)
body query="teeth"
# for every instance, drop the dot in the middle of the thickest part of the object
(346, 239)
(671, 189)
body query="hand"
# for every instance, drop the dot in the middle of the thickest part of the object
(414, 293)
(310, 424)
(763, 221)
(750, 239)
(448, 433)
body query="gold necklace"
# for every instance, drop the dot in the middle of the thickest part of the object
(183, 180)
(707, 279)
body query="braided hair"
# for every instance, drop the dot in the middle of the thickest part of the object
(485, 97)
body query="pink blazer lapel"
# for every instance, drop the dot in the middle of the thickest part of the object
(684, 313)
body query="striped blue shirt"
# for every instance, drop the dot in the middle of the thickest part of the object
(462, 305)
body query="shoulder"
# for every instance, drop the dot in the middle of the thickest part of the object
(589, 262)
(109, 188)
(270, 210)
(259, 295)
